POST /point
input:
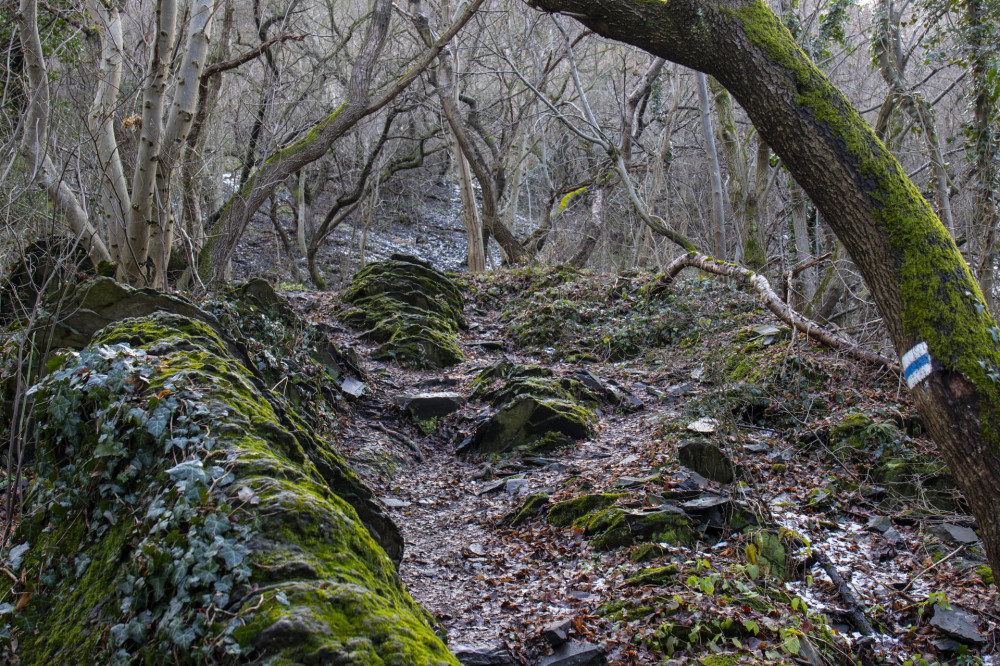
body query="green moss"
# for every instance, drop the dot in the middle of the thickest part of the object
(614, 527)
(655, 576)
(412, 309)
(565, 513)
(533, 505)
(986, 573)
(647, 552)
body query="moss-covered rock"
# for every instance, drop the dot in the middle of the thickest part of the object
(655, 576)
(535, 410)
(920, 477)
(413, 310)
(533, 505)
(615, 527)
(565, 513)
(182, 515)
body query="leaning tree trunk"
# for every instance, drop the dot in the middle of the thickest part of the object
(931, 305)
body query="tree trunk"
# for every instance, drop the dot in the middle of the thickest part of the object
(591, 230)
(175, 132)
(476, 255)
(714, 170)
(889, 58)
(142, 214)
(983, 140)
(101, 121)
(929, 301)
(806, 280)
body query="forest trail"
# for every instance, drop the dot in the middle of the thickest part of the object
(494, 587)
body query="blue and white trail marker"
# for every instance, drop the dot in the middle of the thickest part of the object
(916, 364)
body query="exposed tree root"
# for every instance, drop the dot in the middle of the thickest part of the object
(774, 303)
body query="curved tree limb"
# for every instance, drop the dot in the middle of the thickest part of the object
(775, 304)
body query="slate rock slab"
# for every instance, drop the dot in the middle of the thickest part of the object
(958, 624)
(432, 404)
(484, 656)
(557, 632)
(955, 534)
(576, 653)
(707, 459)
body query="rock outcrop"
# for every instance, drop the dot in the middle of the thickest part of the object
(411, 309)
(183, 513)
(534, 410)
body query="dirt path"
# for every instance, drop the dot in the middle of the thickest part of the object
(492, 585)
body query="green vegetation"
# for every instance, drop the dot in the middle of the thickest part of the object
(575, 315)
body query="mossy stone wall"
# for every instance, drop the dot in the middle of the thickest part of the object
(179, 515)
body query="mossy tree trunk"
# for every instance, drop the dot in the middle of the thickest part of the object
(920, 281)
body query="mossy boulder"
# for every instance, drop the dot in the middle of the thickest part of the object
(532, 422)
(181, 514)
(413, 310)
(74, 313)
(535, 410)
(533, 506)
(615, 527)
(655, 576)
(565, 513)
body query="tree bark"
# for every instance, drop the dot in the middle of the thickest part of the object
(920, 282)
(142, 213)
(101, 121)
(714, 170)
(175, 132)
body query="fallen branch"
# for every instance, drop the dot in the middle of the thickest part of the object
(413, 446)
(855, 614)
(774, 303)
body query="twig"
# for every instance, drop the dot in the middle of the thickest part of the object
(932, 566)
(402, 438)
(854, 612)
(790, 274)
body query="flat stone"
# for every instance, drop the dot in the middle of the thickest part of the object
(516, 486)
(704, 426)
(557, 633)
(353, 387)
(757, 448)
(394, 503)
(893, 537)
(575, 653)
(955, 533)
(433, 404)
(484, 656)
(880, 524)
(958, 624)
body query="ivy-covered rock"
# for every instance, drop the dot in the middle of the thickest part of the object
(180, 514)
(413, 310)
